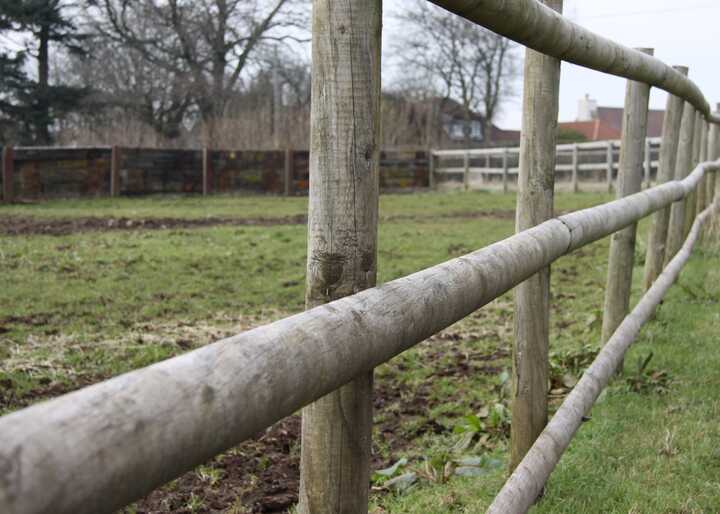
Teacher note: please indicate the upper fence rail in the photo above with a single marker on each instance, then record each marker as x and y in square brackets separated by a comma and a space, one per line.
[541, 28]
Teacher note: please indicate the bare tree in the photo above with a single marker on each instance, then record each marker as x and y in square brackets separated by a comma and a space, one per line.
[457, 59]
[210, 44]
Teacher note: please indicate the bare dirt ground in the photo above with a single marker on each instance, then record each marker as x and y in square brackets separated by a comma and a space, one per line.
[262, 474]
[30, 226]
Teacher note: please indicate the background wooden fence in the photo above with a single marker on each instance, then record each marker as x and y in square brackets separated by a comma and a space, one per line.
[47, 172]
[590, 166]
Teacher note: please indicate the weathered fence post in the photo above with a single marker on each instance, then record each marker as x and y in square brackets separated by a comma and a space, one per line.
[206, 171]
[8, 172]
[575, 168]
[682, 168]
[466, 171]
[536, 181]
[622, 243]
[342, 239]
[115, 171]
[713, 154]
[288, 172]
[505, 169]
[701, 201]
[691, 199]
[609, 164]
[648, 162]
[666, 171]
[431, 169]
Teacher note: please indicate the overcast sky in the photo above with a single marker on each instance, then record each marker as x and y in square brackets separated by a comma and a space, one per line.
[685, 32]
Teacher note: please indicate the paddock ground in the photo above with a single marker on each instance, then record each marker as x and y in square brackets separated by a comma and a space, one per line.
[94, 288]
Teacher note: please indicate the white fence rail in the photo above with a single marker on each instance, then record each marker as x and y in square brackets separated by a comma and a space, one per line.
[580, 165]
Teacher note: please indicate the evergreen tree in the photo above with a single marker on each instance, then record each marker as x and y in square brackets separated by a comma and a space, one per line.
[35, 105]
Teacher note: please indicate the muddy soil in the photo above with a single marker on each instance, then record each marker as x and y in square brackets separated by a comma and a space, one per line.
[262, 475]
[29, 226]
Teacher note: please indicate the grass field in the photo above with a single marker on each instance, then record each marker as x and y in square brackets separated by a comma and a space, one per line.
[91, 303]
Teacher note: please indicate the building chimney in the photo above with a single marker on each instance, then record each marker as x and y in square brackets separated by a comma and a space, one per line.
[587, 109]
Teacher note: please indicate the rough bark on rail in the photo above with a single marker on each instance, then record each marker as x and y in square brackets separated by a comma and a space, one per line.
[525, 484]
[536, 26]
[115, 441]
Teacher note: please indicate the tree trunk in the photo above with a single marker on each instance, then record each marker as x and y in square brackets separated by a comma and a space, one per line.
[342, 238]
[536, 181]
[42, 134]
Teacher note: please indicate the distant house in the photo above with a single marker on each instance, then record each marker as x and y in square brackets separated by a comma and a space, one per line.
[440, 123]
[598, 123]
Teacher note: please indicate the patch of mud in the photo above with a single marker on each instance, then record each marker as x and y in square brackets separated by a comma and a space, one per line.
[28, 225]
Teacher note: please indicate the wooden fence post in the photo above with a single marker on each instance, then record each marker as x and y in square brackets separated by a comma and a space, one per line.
[609, 164]
[701, 201]
[115, 171]
[713, 154]
[666, 171]
[342, 239]
[622, 243]
[536, 184]
[288, 171]
[431, 169]
[466, 171]
[648, 162]
[8, 171]
[206, 171]
[575, 168]
[505, 169]
[682, 168]
[691, 200]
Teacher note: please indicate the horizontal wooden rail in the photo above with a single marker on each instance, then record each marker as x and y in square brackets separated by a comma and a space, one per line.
[526, 483]
[498, 151]
[100, 448]
[536, 26]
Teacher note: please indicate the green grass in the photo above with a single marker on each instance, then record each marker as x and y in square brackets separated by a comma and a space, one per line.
[650, 452]
[226, 206]
[78, 308]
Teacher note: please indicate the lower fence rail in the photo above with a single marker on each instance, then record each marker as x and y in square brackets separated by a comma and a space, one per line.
[107, 445]
[527, 481]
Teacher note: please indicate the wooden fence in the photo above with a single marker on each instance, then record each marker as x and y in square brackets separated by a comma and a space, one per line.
[109, 444]
[52, 172]
[590, 166]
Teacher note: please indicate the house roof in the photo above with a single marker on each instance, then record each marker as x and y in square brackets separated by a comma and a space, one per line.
[594, 130]
[613, 117]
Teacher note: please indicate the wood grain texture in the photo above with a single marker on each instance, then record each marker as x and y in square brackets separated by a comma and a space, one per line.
[657, 237]
[526, 483]
[713, 154]
[630, 175]
[702, 188]
[342, 239]
[682, 165]
[536, 182]
[692, 199]
[539, 27]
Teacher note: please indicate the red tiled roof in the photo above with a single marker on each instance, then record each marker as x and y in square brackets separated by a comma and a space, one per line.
[613, 116]
[595, 130]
